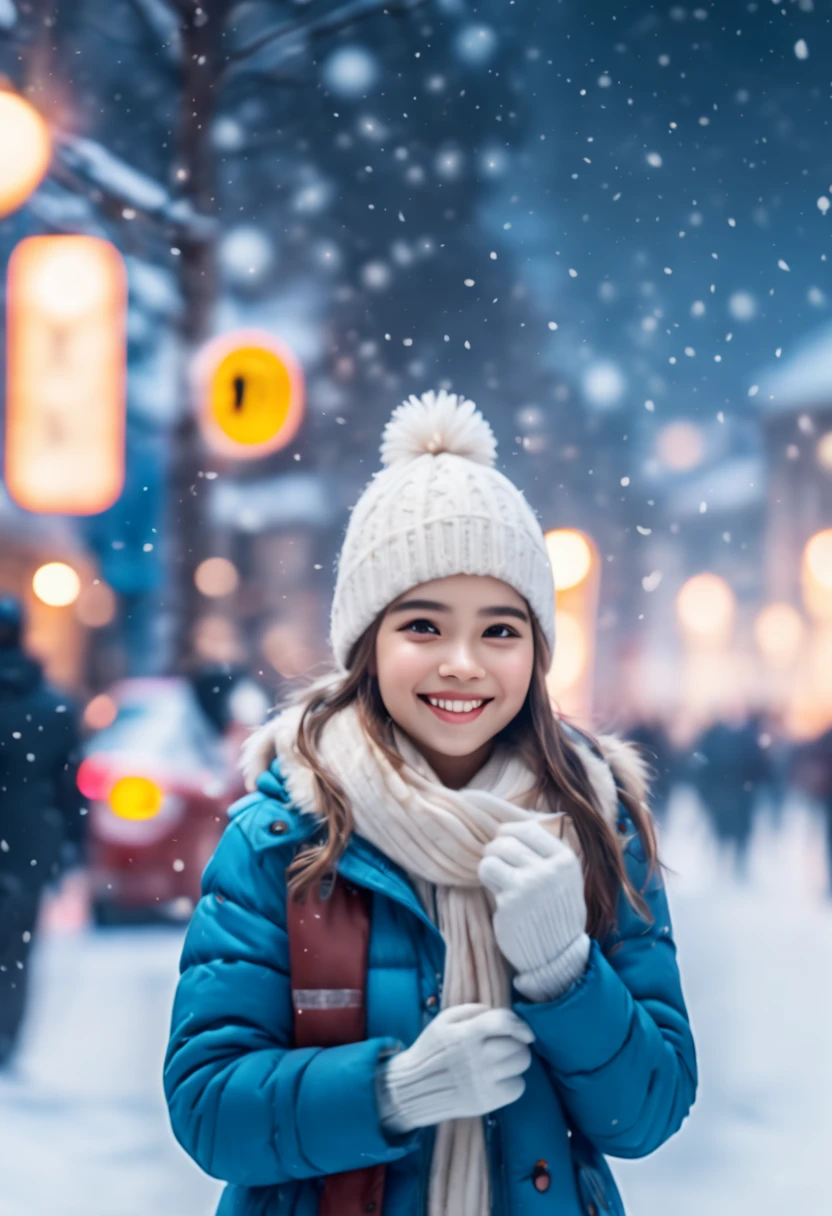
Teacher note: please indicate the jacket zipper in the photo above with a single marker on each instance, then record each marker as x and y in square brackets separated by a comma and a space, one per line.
[496, 1174]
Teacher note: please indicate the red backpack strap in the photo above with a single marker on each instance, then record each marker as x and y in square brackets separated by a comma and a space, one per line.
[329, 941]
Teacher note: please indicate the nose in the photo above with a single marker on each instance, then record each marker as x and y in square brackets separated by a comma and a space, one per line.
[461, 664]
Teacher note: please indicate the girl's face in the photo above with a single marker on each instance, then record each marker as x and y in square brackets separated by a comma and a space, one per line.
[454, 660]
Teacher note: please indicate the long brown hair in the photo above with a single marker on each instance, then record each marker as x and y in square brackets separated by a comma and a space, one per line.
[536, 733]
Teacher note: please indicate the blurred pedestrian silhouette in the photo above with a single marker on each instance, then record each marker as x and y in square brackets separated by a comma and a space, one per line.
[730, 770]
[657, 748]
[41, 825]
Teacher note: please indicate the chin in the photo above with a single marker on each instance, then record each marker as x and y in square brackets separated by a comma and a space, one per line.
[451, 747]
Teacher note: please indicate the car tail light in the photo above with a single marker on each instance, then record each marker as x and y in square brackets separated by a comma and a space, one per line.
[93, 779]
[136, 798]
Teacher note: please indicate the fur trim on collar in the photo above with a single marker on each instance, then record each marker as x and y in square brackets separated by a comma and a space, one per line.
[622, 764]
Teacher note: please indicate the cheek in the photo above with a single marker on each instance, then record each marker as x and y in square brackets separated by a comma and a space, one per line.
[515, 674]
[401, 666]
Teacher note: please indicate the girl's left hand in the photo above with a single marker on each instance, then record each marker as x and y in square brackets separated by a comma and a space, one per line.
[540, 920]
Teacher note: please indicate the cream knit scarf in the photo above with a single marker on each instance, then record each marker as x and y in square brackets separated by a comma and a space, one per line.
[437, 835]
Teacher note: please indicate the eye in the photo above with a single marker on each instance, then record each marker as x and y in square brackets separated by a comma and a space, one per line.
[418, 626]
[508, 632]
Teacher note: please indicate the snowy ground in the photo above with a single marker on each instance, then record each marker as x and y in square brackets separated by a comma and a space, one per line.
[82, 1121]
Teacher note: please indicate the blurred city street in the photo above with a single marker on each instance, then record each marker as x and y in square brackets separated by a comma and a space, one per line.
[588, 244]
[86, 1090]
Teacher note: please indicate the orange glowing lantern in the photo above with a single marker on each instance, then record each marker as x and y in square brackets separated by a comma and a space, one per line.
[65, 403]
[25, 151]
[250, 394]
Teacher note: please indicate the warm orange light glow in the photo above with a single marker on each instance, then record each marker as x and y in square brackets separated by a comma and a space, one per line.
[570, 555]
[680, 445]
[823, 451]
[216, 576]
[217, 640]
[136, 798]
[96, 606]
[817, 557]
[571, 653]
[705, 607]
[56, 584]
[25, 151]
[100, 712]
[778, 631]
[249, 389]
[286, 646]
[65, 408]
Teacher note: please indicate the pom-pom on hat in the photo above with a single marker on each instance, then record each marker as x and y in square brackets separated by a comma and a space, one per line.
[437, 508]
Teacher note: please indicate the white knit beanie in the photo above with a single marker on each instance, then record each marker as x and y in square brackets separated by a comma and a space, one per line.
[437, 508]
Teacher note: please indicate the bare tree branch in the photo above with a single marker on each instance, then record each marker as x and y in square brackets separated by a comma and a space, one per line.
[163, 23]
[87, 167]
[327, 23]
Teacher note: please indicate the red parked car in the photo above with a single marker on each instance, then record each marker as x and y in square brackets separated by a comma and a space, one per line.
[159, 780]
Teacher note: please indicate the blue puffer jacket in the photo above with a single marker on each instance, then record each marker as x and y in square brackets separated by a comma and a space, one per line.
[613, 1072]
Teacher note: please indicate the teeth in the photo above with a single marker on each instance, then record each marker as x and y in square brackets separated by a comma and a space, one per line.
[455, 707]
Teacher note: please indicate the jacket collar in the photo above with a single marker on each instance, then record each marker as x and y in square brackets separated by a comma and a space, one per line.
[361, 862]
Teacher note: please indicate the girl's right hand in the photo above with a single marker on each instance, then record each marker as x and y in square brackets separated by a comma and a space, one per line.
[468, 1061]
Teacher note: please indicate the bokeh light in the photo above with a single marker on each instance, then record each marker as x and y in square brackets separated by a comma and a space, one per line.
[476, 44]
[286, 647]
[216, 576]
[96, 605]
[823, 451]
[136, 798]
[570, 653]
[100, 712]
[818, 558]
[71, 278]
[350, 72]
[680, 446]
[216, 640]
[778, 632]
[25, 151]
[56, 584]
[603, 385]
[705, 608]
[571, 558]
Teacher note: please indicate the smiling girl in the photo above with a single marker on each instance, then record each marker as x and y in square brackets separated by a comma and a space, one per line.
[523, 1013]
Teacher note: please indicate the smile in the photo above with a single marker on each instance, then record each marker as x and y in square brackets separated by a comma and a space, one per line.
[455, 709]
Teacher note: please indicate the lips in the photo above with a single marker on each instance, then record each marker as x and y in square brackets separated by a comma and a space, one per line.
[452, 716]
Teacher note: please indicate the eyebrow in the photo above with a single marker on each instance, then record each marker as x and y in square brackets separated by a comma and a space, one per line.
[435, 606]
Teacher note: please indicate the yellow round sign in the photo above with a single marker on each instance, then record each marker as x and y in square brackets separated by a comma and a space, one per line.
[251, 388]
[136, 798]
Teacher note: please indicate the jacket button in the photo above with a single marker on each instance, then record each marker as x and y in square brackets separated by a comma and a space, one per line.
[541, 1178]
[592, 1210]
[278, 827]
[430, 1003]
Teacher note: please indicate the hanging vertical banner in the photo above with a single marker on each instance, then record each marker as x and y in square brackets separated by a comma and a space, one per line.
[66, 368]
[249, 394]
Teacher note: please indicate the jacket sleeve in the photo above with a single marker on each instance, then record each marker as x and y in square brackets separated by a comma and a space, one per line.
[618, 1043]
[247, 1106]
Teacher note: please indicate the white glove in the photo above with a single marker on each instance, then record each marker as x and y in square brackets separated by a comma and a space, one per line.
[468, 1061]
[540, 921]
